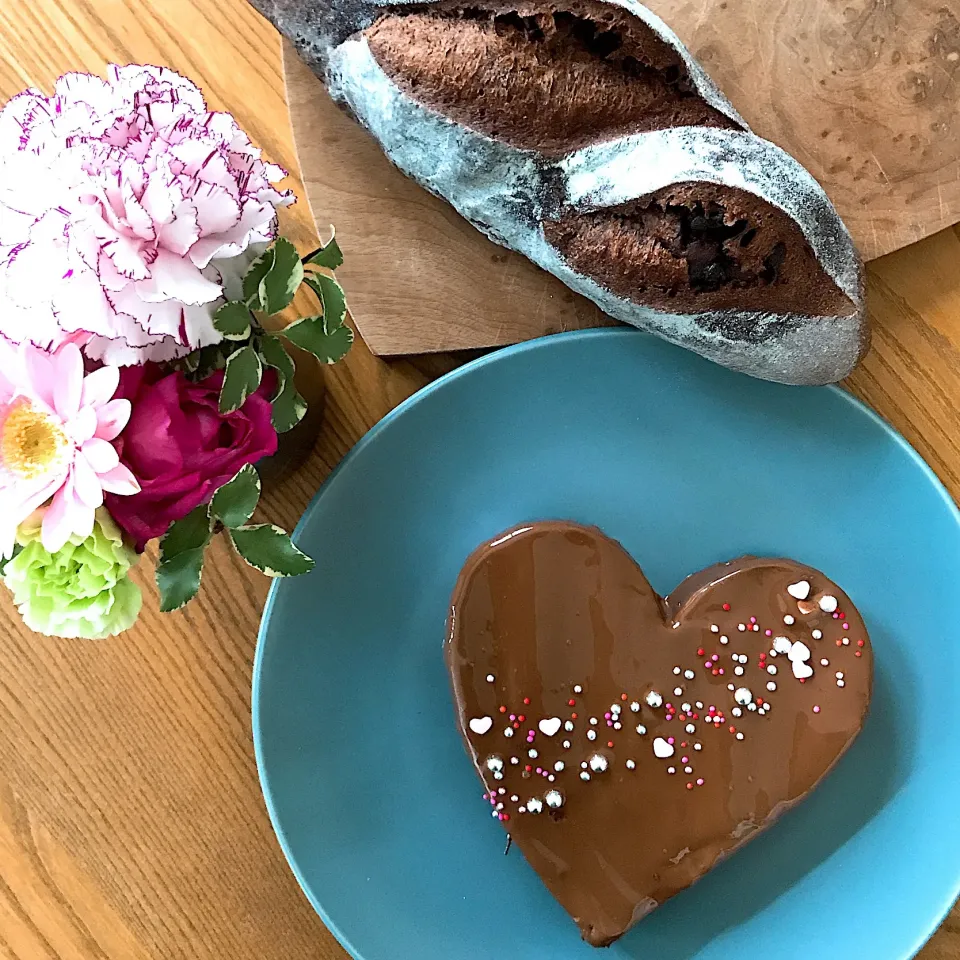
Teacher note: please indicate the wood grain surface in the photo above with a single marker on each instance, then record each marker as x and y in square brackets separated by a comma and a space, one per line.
[131, 822]
[865, 93]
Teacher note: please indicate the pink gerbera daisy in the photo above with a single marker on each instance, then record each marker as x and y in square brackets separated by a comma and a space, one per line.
[56, 424]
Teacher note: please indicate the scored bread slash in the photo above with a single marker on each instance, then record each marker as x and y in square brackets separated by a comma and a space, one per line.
[585, 136]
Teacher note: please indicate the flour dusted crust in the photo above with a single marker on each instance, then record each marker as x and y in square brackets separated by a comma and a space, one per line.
[583, 135]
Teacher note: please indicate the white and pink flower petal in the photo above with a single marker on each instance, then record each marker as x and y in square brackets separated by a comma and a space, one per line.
[101, 455]
[67, 369]
[112, 417]
[86, 483]
[120, 480]
[99, 386]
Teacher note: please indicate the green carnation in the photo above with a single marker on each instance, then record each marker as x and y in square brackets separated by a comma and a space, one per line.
[82, 590]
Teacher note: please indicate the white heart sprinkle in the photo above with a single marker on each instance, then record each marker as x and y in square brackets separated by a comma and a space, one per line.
[799, 590]
[481, 725]
[550, 727]
[828, 604]
[662, 749]
[799, 652]
[802, 670]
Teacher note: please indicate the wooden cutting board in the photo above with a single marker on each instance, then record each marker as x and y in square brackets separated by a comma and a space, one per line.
[865, 93]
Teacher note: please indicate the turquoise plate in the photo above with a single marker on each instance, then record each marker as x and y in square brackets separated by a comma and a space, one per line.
[372, 796]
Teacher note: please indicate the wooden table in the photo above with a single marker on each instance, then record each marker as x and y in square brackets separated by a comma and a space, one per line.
[131, 821]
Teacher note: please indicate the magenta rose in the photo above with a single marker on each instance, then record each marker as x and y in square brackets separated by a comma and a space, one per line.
[181, 448]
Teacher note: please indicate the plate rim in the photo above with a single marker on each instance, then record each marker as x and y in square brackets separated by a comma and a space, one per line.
[369, 437]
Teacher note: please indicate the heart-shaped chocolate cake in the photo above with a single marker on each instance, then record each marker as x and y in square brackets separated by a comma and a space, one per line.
[629, 743]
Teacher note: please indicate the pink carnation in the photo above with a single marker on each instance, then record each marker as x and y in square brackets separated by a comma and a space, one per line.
[128, 212]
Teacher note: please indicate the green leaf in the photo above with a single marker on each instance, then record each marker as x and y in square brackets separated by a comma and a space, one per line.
[209, 359]
[192, 532]
[327, 256]
[233, 320]
[270, 550]
[242, 378]
[331, 296]
[314, 335]
[271, 282]
[233, 504]
[288, 406]
[5, 560]
[255, 274]
[191, 361]
[178, 579]
[274, 354]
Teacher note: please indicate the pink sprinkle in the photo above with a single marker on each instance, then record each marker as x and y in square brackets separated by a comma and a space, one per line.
[768, 633]
[753, 619]
[670, 740]
[513, 717]
[699, 781]
[607, 715]
[669, 706]
[539, 769]
[712, 710]
[684, 759]
[836, 616]
[531, 733]
[721, 671]
[715, 657]
[816, 709]
[846, 626]
[669, 716]
[609, 723]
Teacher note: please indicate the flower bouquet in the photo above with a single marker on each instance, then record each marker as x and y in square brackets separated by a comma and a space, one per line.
[140, 378]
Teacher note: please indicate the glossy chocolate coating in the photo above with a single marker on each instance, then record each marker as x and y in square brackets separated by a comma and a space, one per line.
[549, 607]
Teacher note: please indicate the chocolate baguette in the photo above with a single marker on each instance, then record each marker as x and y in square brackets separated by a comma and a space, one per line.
[584, 135]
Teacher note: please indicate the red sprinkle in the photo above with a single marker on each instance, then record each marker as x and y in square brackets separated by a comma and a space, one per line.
[858, 654]
[571, 703]
[839, 643]
[526, 701]
[733, 729]
[700, 651]
[726, 607]
[623, 696]
[803, 680]
[689, 786]
[859, 643]
[503, 709]
[506, 817]
[610, 744]
[528, 768]
[716, 673]
[521, 718]
[516, 726]
[573, 716]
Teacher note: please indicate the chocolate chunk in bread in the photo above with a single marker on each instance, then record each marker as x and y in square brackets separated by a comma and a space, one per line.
[697, 247]
[540, 76]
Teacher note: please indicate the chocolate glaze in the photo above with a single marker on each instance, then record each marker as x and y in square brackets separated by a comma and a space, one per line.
[551, 606]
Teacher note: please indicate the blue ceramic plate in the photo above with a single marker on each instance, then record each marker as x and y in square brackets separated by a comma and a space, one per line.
[685, 463]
